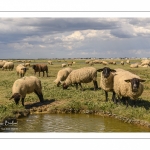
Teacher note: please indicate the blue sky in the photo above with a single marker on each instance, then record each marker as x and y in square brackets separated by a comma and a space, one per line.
[63, 37]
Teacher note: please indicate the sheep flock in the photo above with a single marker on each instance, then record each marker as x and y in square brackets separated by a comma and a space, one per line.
[111, 76]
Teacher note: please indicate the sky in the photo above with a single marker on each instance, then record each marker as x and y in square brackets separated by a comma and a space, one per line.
[74, 37]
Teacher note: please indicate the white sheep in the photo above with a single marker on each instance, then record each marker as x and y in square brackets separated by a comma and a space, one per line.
[127, 85]
[122, 62]
[2, 64]
[82, 75]
[106, 80]
[62, 75]
[8, 65]
[135, 65]
[63, 65]
[21, 70]
[24, 86]
[145, 62]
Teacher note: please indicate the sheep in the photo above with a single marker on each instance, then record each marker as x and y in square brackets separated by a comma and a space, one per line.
[128, 61]
[27, 64]
[70, 63]
[91, 63]
[8, 65]
[106, 81]
[63, 65]
[82, 75]
[62, 75]
[127, 85]
[50, 62]
[2, 64]
[21, 70]
[122, 62]
[104, 63]
[26, 85]
[145, 62]
[40, 68]
[135, 65]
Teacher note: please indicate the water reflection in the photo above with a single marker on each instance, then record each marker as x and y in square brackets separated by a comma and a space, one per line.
[74, 123]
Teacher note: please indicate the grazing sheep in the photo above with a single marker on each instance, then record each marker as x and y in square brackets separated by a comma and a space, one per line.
[145, 62]
[62, 75]
[122, 62]
[21, 70]
[82, 75]
[134, 65]
[127, 85]
[26, 85]
[2, 64]
[40, 68]
[27, 64]
[104, 63]
[87, 61]
[106, 81]
[50, 62]
[91, 63]
[63, 65]
[69, 63]
[8, 65]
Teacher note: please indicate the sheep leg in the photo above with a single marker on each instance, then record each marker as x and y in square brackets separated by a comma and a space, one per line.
[95, 85]
[47, 73]
[40, 96]
[22, 101]
[76, 85]
[114, 97]
[39, 73]
[81, 86]
[43, 73]
[106, 96]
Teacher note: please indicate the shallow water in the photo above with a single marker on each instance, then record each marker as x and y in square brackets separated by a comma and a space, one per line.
[74, 123]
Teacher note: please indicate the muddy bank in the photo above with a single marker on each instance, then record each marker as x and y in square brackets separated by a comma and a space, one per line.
[52, 106]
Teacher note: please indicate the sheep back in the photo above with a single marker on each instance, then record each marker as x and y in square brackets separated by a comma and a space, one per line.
[27, 85]
[82, 75]
[62, 75]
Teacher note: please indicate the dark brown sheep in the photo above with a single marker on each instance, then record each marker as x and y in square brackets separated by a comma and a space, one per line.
[40, 68]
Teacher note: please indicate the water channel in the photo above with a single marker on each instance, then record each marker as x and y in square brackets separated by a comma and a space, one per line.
[74, 123]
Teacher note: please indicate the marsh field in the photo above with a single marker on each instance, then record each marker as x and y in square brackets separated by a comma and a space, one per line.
[71, 100]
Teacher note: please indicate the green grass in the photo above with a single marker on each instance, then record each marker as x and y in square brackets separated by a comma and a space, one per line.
[72, 99]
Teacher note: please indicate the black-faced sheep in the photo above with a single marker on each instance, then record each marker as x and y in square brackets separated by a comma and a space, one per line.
[40, 68]
[21, 70]
[24, 86]
[82, 75]
[127, 85]
[106, 81]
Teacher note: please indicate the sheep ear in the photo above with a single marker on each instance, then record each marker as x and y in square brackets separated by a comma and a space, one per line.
[141, 80]
[112, 70]
[128, 80]
[11, 97]
[99, 70]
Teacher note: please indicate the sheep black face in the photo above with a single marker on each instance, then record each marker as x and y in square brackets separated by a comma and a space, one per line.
[16, 97]
[135, 82]
[64, 86]
[106, 71]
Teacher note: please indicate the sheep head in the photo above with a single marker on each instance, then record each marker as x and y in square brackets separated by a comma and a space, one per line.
[16, 97]
[106, 71]
[135, 82]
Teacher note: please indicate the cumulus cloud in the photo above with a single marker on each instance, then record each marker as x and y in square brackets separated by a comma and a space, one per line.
[74, 37]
